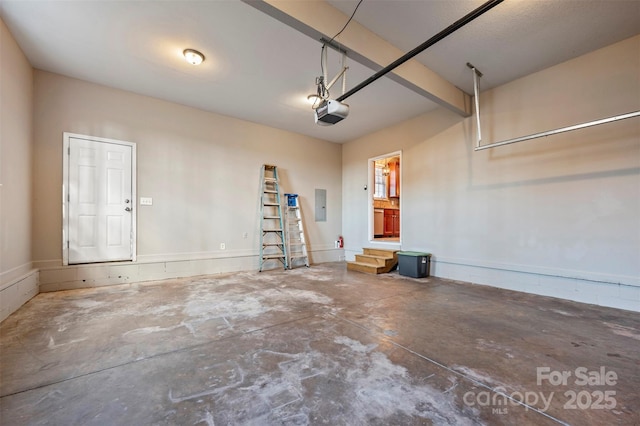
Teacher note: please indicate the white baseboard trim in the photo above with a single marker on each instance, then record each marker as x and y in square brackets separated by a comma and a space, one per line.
[541, 270]
[181, 257]
[19, 291]
[590, 290]
[9, 277]
[158, 267]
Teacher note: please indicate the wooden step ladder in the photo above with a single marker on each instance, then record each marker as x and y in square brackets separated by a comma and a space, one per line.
[296, 244]
[273, 245]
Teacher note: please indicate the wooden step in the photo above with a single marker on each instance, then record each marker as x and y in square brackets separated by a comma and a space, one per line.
[374, 261]
[364, 267]
[371, 260]
[380, 252]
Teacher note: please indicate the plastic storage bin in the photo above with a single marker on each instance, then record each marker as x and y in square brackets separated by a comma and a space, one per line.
[414, 264]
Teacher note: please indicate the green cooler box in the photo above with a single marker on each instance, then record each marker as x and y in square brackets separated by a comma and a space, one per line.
[413, 264]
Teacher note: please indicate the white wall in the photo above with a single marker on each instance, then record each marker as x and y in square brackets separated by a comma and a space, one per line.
[18, 279]
[558, 216]
[202, 171]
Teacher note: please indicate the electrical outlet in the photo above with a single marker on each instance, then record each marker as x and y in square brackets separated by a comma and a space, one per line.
[222, 246]
[245, 235]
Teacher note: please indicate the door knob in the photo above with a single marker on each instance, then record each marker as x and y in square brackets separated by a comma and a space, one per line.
[126, 201]
[127, 209]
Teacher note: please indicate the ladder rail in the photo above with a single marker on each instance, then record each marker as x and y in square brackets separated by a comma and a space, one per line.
[297, 247]
[270, 212]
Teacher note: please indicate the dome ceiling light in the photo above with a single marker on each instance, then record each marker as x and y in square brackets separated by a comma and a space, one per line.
[193, 56]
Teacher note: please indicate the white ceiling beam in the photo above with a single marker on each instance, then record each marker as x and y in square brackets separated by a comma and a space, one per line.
[320, 20]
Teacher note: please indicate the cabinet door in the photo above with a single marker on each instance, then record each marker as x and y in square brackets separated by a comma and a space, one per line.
[394, 179]
[388, 223]
[396, 224]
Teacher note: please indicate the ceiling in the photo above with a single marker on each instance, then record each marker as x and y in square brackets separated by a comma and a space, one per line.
[261, 70]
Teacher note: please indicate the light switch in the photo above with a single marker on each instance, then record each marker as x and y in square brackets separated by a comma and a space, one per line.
[146, 201]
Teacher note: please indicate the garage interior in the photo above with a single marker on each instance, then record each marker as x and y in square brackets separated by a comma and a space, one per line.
[524, 189]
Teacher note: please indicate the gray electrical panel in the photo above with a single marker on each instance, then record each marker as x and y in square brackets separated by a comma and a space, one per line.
[321, 205]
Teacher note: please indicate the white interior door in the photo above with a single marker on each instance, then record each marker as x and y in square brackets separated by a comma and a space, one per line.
[100, 201]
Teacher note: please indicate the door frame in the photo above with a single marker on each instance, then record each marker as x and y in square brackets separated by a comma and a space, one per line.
[370, 192]
[65, 191]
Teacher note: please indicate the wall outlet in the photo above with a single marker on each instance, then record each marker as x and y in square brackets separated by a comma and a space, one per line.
[245, 235]
[146, 201]
[222, 246]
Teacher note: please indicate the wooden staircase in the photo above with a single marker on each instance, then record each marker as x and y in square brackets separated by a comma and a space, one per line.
[374, 261]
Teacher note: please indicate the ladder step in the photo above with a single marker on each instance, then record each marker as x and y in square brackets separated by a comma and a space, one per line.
[270, 204]
[271, 217]
[273, 256]
[272, 230]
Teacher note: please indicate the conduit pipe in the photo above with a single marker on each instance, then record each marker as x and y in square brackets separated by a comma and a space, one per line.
[424, 46]
[476, 93]
[476, 97]
[560, 130]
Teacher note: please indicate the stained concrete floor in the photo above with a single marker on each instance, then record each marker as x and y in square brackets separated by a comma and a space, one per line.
[316, 346]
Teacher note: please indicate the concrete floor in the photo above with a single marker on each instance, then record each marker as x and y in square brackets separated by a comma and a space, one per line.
[316, 346]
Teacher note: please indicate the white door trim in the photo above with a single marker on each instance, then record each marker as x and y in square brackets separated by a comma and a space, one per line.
[370, 192]
[65, 190]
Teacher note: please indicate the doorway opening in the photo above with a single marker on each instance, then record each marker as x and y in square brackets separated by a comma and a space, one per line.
[384, 198]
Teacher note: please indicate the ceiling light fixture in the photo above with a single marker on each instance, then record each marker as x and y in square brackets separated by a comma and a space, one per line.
[314, 100]
[193, 56]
